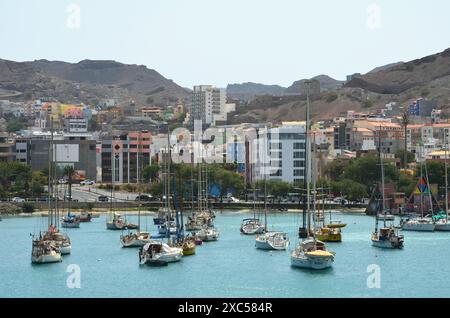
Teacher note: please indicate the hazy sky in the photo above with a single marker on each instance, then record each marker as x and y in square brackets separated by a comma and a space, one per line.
[227, 41]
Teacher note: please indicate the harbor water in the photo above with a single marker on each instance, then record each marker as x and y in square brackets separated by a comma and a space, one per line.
[230, 267]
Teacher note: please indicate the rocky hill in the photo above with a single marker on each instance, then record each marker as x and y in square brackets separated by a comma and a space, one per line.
[326, 83]
[428, 77]
[88, 81]
[247, 91]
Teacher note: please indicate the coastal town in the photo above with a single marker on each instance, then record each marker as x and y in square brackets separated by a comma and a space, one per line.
[242, 151]
[98, 140]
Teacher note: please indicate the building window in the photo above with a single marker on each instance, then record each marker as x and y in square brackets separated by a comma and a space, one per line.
[299, 155]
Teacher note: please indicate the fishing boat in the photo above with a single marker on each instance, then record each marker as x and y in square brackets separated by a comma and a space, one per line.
[157, 253]
[44, 251]
[310, 253]
[387, 236]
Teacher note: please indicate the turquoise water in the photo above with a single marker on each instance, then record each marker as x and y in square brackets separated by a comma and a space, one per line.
[230, 267]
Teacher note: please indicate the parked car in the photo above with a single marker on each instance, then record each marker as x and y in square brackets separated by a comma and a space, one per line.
[103, 198]
[63, 181]
[232, 200]
[144, 197]
[18, 199]
[87, 182]
[70, 198]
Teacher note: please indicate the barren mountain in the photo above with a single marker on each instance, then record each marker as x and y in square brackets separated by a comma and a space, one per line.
[326, 83]
[428, 77]
[247, 91]
[88, 81]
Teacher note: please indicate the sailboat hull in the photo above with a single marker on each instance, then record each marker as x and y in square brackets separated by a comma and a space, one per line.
[312, 263]
[419, 227]
[47, 258]
[385, 244]
[442, 226]
[65, 250]
[70, 225]
[334, 238]
[114, 226]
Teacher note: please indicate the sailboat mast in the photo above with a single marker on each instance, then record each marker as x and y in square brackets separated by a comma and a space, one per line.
[265, 199]
[314, 180]
[308, 162]
[446, 179]
[138, 182]
[50, 179]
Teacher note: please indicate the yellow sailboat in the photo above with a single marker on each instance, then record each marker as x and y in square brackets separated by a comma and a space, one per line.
[330, 232]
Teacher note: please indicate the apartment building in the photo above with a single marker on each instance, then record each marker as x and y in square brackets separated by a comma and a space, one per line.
[124, 156]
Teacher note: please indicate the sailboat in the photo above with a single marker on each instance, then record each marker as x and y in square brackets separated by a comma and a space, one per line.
[422, 223]
[44, 248]
[387, 236]
[443, 222]
[270, 240]
[70, 220]
[158, 253]
[310, 253]
[138, 238]
[252, 226]
[202, 222]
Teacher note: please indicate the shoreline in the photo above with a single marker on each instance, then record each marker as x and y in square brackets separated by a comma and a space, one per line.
[133, 212]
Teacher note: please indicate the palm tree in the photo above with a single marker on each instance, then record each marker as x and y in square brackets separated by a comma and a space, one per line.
[405, 122]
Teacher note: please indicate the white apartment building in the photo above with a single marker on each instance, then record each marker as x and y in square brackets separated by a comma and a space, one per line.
[285, 147]
[206, 103]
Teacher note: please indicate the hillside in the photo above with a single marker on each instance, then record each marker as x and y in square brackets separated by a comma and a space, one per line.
[88, 81]
[247, 91]
[428, 77]
[326, 83]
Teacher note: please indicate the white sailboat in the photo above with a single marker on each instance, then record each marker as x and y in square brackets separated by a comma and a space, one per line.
[270, 240]
[423, 223]
[252, 226]
[310, 253]
[387, 236]
[444, 223]
[138, 238]
[44, 248]
[157, 253]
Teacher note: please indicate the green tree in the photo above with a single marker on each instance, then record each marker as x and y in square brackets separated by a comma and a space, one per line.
[336, 168]
[400, 154]
[150, 172]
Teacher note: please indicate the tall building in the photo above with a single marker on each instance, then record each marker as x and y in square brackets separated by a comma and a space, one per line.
[207, 102]
[124, 157]
[284, 146]
[70, 149]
